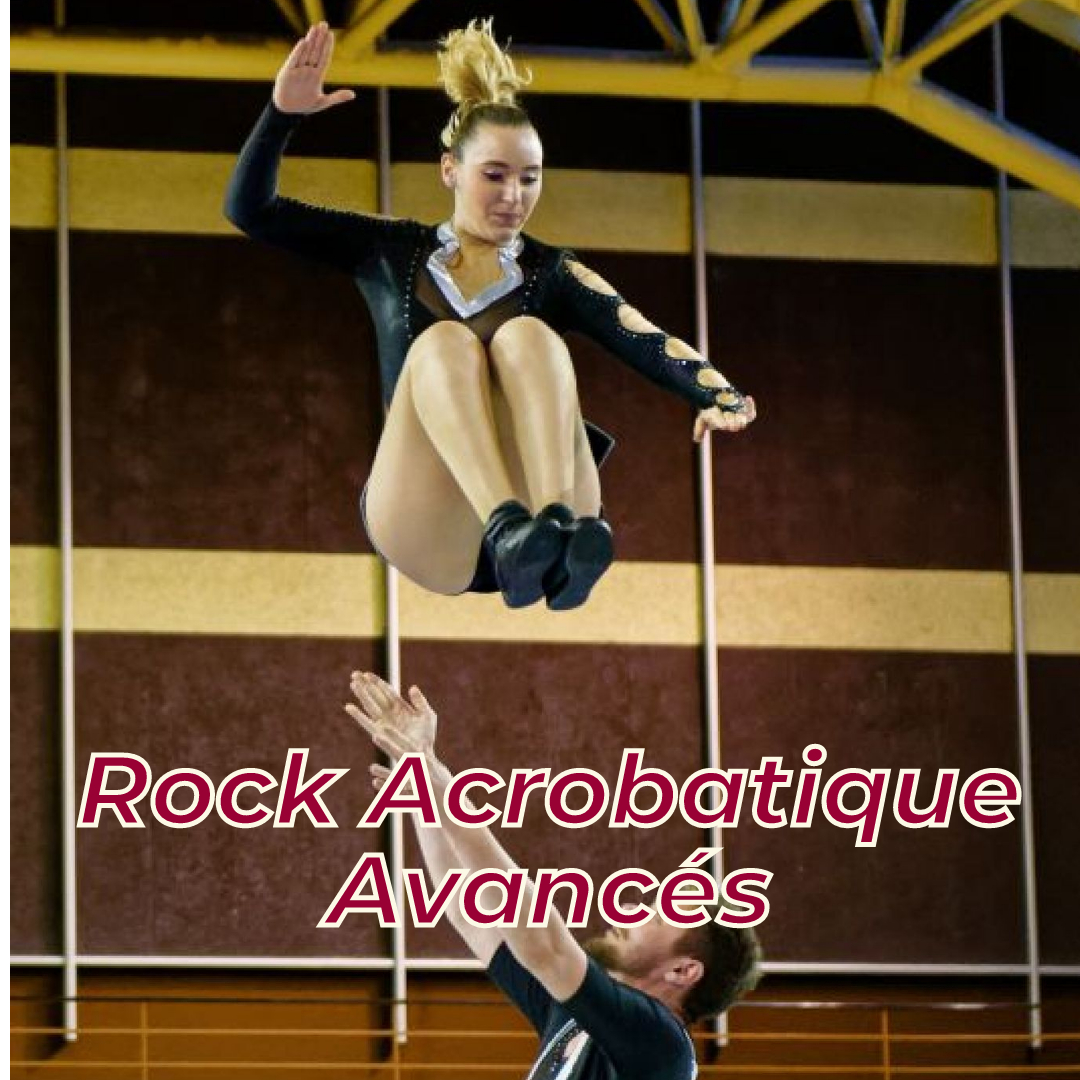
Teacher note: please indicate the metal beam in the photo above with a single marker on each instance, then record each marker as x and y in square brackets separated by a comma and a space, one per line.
[372, 22]
[690, 16]
[766, 81]
[894, 29]
[983, 135]
[314, 11]
[770, 81]
[735, 17]
[662, 23]
[1052, 20]
[868, 29]
[741, 48]
[963, 21]
[292, 15]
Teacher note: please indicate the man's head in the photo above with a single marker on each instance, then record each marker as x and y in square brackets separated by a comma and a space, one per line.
[698, 972]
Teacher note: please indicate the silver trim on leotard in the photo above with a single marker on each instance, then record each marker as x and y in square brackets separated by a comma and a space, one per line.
[438, 266]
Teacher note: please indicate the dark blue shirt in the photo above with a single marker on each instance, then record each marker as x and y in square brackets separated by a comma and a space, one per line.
[605, 1031]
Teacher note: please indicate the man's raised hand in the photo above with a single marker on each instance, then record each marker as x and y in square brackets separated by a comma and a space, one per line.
[298, 87]
[405, 725]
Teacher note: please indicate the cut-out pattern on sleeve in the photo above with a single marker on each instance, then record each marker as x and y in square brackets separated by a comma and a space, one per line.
[593, 307]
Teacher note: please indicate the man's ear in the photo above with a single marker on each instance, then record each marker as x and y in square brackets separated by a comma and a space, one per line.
[448, 169]
[685, 972]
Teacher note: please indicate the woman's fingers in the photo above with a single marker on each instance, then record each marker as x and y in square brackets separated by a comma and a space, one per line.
[297, 53]
[325, 44]
[338, 97]
[306, 47]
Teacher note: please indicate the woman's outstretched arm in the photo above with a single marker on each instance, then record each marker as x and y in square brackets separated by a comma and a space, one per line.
[338, 238]
[589, 305]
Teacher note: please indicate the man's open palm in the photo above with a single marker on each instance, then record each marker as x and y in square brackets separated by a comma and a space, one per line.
[410, 724]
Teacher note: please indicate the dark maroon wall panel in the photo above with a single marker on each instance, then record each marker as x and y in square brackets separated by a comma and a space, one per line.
[35, 793]
[649, 481]
[218, 704]
[1047, 305]
[1055, 691]
[949, 895]
[880, 438]
[34, 467]
[226, 397]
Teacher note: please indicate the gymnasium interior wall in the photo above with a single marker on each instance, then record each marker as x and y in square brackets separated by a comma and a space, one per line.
[225, 413]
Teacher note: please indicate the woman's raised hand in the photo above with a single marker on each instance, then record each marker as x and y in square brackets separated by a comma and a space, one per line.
[298, 87]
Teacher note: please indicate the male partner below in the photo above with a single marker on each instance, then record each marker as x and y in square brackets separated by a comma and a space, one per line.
[615, 1009]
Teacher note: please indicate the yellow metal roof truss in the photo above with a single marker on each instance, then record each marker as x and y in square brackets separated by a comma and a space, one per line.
[729, 66]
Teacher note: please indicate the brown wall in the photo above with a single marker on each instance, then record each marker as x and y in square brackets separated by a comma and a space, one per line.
[225, 399]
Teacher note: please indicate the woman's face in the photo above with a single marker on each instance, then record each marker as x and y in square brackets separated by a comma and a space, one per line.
[496, 183]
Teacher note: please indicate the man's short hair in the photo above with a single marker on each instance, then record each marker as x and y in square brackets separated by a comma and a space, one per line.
[730, 956]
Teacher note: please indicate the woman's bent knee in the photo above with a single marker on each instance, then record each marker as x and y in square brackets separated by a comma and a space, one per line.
[446, 334]
[524, 346]
[528, 331]
[447, 350]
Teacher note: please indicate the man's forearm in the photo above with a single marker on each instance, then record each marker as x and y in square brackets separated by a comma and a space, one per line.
[550, 952]
[440, 856]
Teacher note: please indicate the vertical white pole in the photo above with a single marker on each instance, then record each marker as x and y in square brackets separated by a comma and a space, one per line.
[705, 499]
[1023, 711]
[393, 640]
[67, 580]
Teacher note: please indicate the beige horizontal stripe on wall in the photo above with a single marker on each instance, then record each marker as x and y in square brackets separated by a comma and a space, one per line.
[167, 192]
[638, 603]
[153, 591]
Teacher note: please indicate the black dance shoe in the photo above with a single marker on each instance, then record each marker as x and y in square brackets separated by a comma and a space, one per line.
[522, 549]
[588, 550]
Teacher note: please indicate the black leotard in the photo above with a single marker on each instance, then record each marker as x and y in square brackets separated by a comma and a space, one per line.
[387, 258]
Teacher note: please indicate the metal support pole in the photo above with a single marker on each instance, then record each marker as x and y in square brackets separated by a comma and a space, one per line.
[705, 501]
[393, 643]
[67, 582]
[1016, 567]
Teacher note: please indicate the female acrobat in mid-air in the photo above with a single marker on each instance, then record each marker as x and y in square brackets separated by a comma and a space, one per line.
[485, 477]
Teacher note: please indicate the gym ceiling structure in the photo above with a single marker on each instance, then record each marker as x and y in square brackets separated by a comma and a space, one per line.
[867, 212]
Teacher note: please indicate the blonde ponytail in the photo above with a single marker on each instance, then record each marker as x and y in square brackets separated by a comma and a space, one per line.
[480, 79]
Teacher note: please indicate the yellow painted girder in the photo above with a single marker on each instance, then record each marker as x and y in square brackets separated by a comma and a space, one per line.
[741, 48]
[894, 28]
[690, 16]
[747, 12]
[662, 24]
[1051, 19]
[808, 84]
[314, 11]
[292, 15]
[977, 15]
[44, 51]
[371, 22]
[983, 136]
